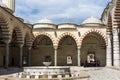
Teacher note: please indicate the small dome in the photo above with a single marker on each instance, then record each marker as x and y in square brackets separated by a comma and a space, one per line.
[45, 20]
[3, 5]
[92, 20]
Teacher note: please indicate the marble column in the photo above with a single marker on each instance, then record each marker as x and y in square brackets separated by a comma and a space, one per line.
[29, 56]
[55, 56]
[78, 50]
[109, 51]
[116, 54]
[6, 55]
[21, 54]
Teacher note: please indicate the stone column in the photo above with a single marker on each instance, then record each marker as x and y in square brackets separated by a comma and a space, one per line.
[21, 54]
[78, 49]
[116, 55]
[55, 56]
[29, 56]
[109, 51]
[6, 55]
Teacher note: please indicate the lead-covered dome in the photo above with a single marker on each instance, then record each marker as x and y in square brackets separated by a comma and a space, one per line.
[44, 24]
[92, 20]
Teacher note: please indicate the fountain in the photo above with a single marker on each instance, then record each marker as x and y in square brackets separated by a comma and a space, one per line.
[47, 70]
[46, 63]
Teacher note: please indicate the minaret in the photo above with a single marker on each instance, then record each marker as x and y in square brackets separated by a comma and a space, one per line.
[10, 4]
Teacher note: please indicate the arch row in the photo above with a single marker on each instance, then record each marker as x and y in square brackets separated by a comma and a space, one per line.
[77, 39]
[7, 28]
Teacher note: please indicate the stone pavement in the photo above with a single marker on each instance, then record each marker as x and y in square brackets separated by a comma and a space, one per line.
[96, 73]
[102, 73]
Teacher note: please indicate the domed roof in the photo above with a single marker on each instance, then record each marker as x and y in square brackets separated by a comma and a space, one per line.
[3, 5]
[47, 24]
[92, 20]
[45, 20]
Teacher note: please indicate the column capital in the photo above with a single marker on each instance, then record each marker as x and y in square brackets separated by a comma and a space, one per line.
[29, 47]
[6, 41]
[116, 30]
[78, 47]
[20, 45]
[55, 47]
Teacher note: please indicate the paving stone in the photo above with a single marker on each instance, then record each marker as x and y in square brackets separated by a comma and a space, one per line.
[102, 74]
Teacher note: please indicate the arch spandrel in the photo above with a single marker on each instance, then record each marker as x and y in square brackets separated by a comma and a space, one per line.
[19, 35]
[27, 39]
[67, 34]
[93, 31]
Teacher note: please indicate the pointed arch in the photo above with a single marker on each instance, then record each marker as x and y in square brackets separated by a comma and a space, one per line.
[18, 35]
[67, 34]
[93, 31]
[27, 39]
[46, 34]
[4, 29]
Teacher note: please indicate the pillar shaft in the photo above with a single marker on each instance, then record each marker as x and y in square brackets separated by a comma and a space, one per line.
[29, 56]
[6, 55]
[55, 56]
[21, 55]
[79, 56]
[116, 56]
[109, 52]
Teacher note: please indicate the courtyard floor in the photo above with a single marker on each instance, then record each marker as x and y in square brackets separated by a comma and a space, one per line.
[102, 73]
[95, 73]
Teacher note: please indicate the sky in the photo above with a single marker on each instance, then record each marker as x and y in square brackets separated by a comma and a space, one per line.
[60, 11]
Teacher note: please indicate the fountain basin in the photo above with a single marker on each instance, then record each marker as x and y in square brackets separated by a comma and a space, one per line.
[46, 63]
[51, 70]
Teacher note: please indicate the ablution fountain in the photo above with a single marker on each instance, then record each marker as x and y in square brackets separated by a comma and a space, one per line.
[48, 72]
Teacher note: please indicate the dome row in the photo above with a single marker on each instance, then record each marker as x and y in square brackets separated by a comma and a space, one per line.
[48, 24]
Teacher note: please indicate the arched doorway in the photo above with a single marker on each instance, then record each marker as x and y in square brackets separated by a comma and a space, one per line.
[43, 50]
[67, 52]
[27, 50]
[93, 43]
[16, 48]
[14, 58]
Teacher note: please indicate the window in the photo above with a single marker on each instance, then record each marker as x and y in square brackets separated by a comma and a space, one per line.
[48, 42]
